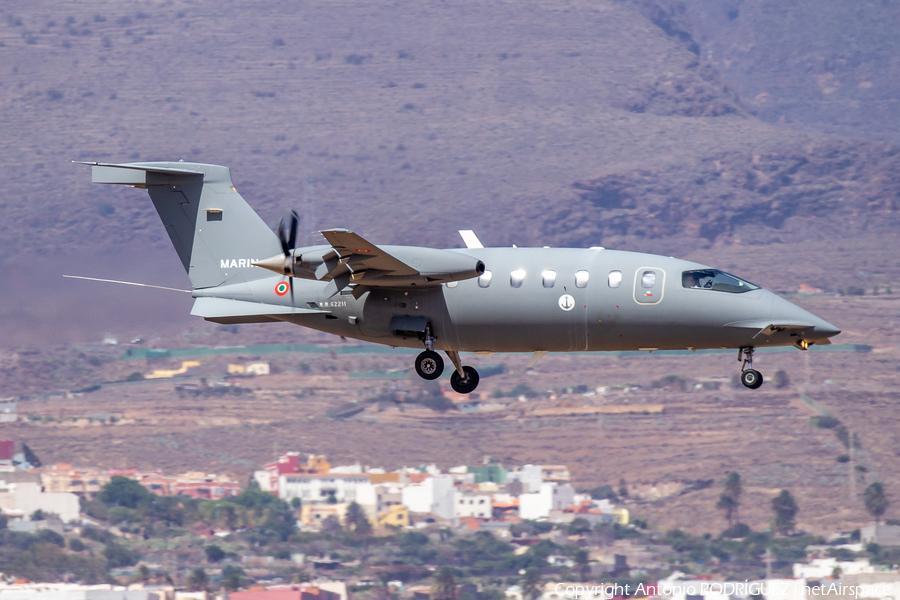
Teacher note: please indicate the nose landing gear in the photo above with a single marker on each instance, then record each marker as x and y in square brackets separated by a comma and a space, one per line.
[750, 377]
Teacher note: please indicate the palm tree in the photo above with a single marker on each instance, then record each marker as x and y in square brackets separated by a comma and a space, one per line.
[734, 490]
[727, 504]
[444, 586]
[875, 500]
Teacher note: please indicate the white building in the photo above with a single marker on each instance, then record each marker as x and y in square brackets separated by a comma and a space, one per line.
[819, 568]
[551, 496]
[74, 591]
[8, 412]
[531, 477]
[261, 368]
[321, 487]
[883, 535]
[461, 474]
[472, 504]
[433, 495]
[21, 495]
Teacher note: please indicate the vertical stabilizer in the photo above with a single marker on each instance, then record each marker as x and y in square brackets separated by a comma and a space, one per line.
[215, 232]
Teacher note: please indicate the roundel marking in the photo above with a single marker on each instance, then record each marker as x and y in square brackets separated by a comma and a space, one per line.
[566, 302]
[282, 288]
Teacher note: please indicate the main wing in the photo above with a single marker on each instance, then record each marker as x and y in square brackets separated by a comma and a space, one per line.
[353, 260]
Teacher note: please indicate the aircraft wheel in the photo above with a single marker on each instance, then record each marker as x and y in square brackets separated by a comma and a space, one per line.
[467, 385]
[429, 365]
[751, 378]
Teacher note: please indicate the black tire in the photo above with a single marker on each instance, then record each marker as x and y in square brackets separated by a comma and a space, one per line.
[466, 386]
[429, 365]
[751, 378]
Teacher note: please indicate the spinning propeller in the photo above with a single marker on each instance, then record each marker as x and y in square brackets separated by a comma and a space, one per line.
[288, 238]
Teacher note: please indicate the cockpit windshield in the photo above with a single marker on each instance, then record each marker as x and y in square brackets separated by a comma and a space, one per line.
[713, 279]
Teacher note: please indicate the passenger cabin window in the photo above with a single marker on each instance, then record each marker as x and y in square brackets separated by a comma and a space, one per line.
[548, 278]
[718, 281]
[484, 280]
[615, 279]
[516, 278]
[648, 279]
[581, 279]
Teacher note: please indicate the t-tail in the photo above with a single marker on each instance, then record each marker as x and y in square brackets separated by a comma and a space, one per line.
[216, 233]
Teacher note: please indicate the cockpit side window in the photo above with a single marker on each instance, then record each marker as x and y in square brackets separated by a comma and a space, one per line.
[713, 279]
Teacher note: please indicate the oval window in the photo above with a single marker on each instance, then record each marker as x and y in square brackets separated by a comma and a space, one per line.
[485, 279]
[548, 278]
[516, 278]
[615, 279]
[581, 279]
[648, 279]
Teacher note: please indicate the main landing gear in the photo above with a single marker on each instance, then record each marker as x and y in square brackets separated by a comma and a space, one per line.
[750, 377]
[430, 366]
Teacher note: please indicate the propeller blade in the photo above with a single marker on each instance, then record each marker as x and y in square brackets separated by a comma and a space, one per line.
[292, 240]
[282, 238]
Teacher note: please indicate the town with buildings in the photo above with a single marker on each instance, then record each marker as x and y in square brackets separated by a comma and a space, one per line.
[307, 530]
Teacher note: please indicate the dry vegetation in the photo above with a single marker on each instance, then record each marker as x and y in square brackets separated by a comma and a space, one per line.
[700, 435]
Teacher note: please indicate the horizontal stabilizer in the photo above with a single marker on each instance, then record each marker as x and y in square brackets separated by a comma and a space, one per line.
[140, 174]
[225, 310]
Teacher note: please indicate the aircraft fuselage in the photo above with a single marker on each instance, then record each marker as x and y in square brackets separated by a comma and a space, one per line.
[562, 315]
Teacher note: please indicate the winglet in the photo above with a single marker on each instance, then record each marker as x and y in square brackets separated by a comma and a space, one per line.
[471, 240]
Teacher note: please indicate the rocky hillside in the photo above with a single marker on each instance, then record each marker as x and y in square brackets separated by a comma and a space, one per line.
[568, 123]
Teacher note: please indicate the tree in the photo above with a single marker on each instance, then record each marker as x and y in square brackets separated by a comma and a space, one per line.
[531, 584]
[214, 554]
[232, 577]
[579, 526]
[785, 512]
[118, 555]
[727, 504]
[30, 457]
[198, 580]
[122, 491]
[330, 524]
[875, 500]
[623, 488]
[730, 500]
[357, 520]
[583, 562]
[444, 586]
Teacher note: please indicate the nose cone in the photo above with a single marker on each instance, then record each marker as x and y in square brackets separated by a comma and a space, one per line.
[787, 314]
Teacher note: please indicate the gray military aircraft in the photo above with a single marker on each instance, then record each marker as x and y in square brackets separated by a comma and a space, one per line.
[471, 299]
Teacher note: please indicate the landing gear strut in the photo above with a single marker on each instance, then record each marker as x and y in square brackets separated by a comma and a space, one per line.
[750, 377]
[429, 364]
[464, 379]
